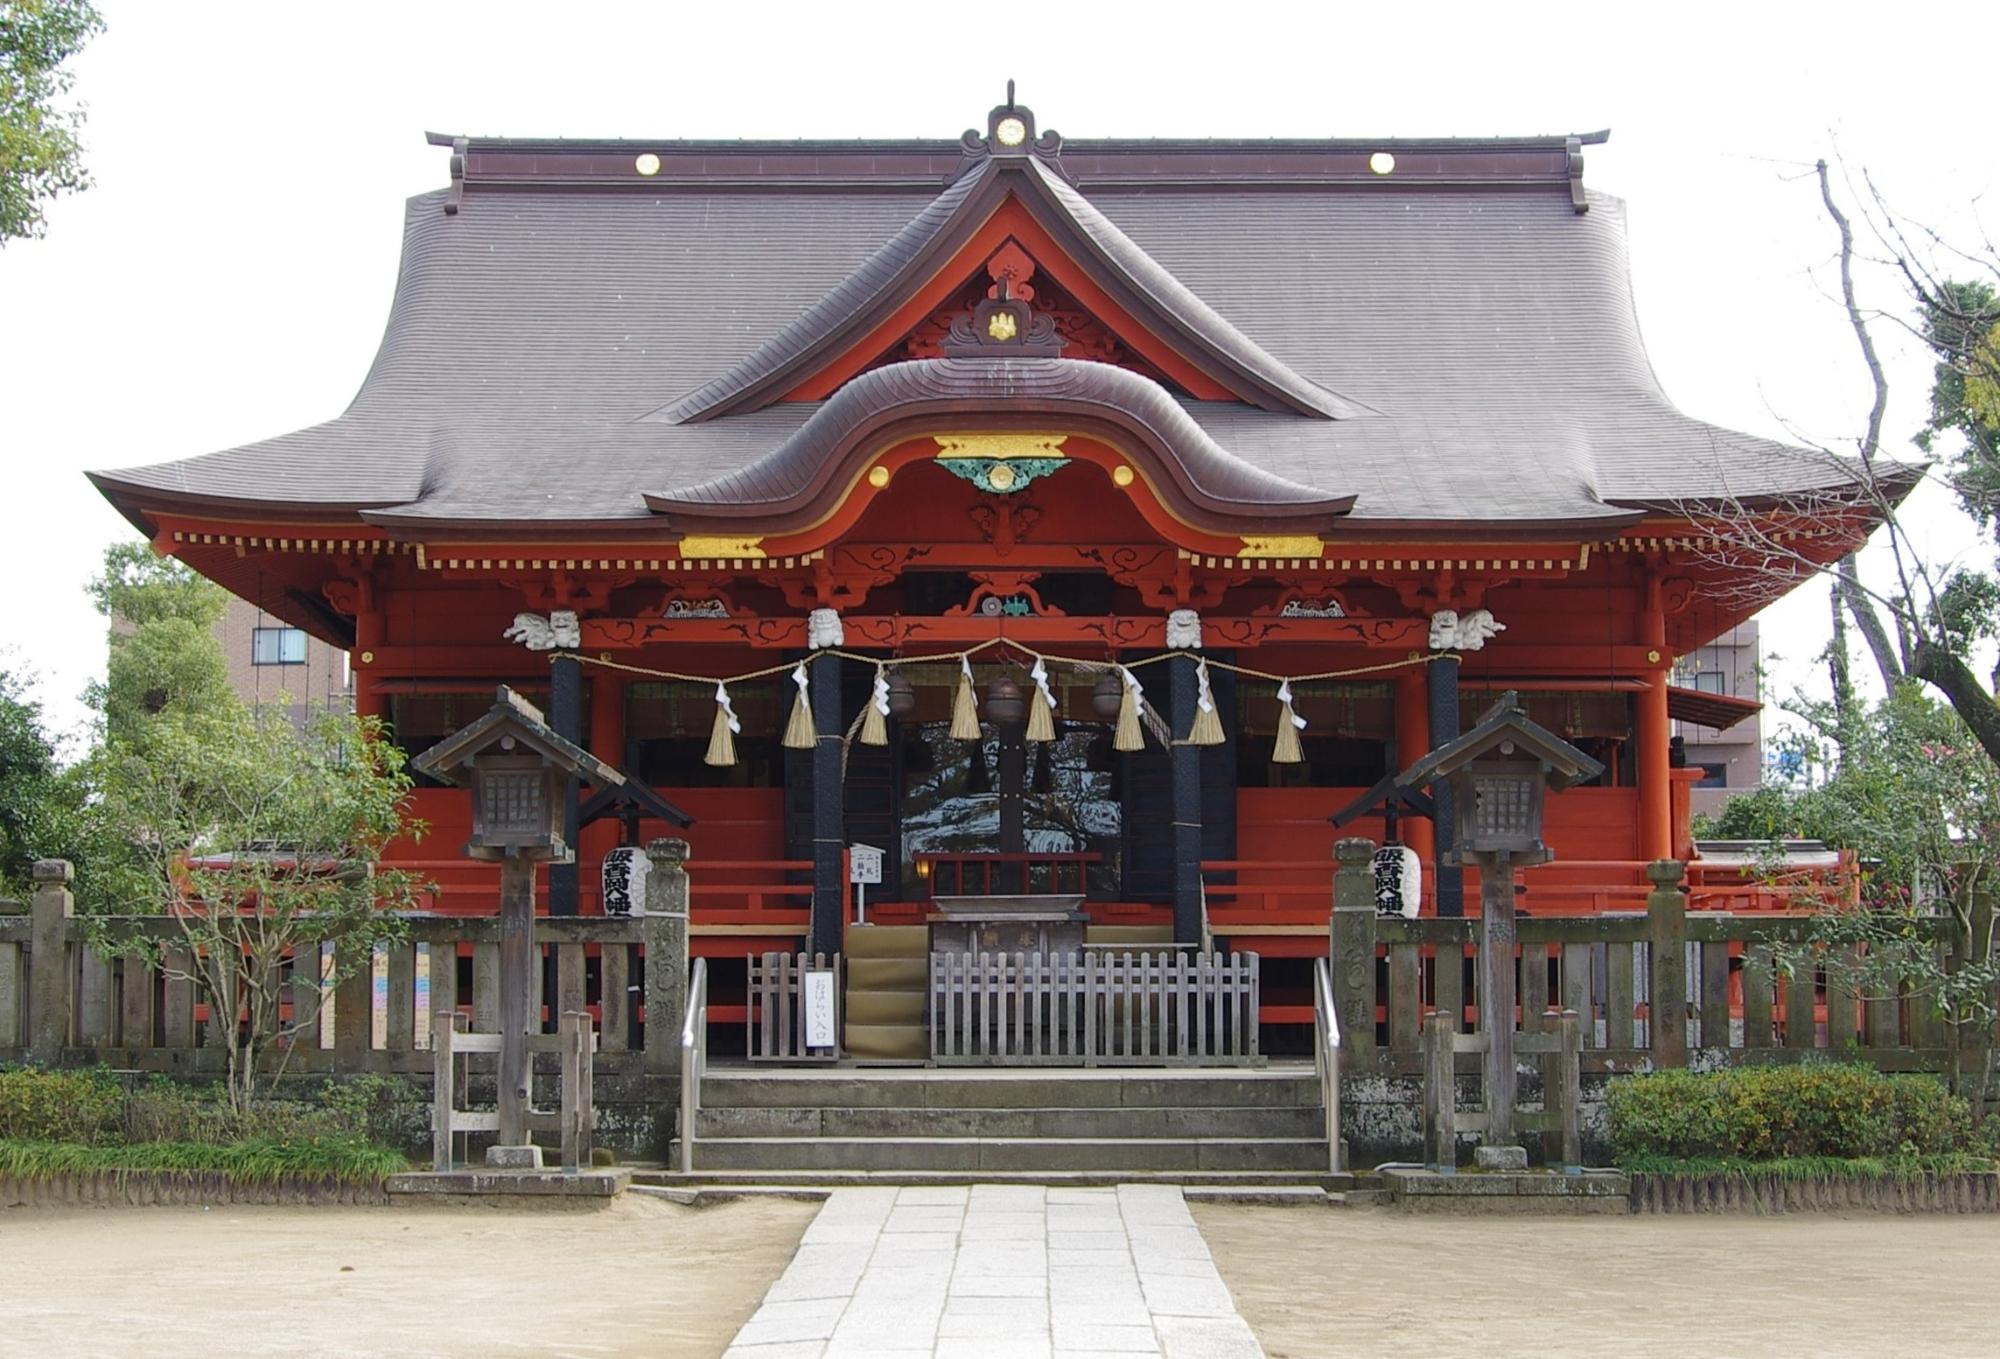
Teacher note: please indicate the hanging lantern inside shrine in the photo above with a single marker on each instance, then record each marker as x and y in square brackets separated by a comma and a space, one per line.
[902, 695]
[1106, 695]
[1005, 707]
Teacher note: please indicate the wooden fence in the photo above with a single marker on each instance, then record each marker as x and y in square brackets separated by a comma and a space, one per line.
[1094, 1008]
[62, 1001]
[777, 1021]
[1648, 988]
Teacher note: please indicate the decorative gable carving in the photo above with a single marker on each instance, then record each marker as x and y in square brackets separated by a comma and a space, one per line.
[1046, 321]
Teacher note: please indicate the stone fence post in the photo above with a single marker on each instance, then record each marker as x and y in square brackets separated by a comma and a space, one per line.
[1351, 943]
[51, 968]
[666, 934]
[1666, 935]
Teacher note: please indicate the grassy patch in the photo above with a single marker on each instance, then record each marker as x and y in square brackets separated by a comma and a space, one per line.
[1814, 1169]
[255, 1161]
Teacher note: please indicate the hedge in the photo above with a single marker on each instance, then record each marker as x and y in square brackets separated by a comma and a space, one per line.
[1770, 1113]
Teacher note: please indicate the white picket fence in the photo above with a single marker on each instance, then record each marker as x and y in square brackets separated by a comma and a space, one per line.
[1160, 1008]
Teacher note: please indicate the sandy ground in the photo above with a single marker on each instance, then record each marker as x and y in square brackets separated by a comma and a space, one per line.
[639, 1277]
[1315, 1283]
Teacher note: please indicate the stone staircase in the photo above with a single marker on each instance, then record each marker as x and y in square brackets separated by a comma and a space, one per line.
[1063, 1126]
[888, 976]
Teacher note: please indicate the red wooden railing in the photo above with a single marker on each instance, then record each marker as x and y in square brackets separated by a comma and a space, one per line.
[975, 874]
[1300, 891]
[721, 891]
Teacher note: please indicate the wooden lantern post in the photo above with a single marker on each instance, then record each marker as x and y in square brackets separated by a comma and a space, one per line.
[1499, 774]
[519, 771]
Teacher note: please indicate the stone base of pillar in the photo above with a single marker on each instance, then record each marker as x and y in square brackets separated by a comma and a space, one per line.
[514, 1158]
[1500, 1158]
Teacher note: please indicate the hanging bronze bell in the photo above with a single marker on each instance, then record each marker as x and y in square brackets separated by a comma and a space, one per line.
[1004, 705]
[1106, 694]
[902, 695]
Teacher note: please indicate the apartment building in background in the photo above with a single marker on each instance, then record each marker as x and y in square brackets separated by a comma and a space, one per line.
[1731, 759]
[272, 662]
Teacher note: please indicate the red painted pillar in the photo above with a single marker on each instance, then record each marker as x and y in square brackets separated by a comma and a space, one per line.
[370, 632]
[1656, 826]
[1413, 742]
[607, 743]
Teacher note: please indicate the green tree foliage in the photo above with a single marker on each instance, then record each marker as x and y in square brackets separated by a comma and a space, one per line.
[1902, 783]
[255, 837]
[1961, 322]
[40, 155]
[251, 835]
[1907, 787]
[165, 659]
[42, 804]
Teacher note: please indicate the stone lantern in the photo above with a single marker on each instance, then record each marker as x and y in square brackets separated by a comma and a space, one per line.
[1500, 773]
[519, 771]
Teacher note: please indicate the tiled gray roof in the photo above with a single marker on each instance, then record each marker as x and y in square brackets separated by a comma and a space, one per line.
[1486, 341]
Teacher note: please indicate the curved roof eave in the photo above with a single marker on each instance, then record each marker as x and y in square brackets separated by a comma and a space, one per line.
[791, 482]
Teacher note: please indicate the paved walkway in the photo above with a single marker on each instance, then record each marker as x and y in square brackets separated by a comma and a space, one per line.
[1000, 1272]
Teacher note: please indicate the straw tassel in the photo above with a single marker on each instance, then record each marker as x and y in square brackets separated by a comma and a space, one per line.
[1206, 729]
[875, 721]
[1128, 734]
[1290, 724]
[800, 734]
[1042, 706]
[722, 737]
[964, 707]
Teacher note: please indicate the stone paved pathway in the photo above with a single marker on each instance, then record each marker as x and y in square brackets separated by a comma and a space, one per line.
[1000, 1272]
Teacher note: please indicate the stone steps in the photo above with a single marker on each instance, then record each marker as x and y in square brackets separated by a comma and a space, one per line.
[1011, 1088]
[1180, 1126]
[1129, 1123]
[1292, 1154]
[888, 975]
[1342, 1186]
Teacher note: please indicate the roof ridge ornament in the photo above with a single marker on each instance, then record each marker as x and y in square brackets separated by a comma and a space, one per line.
[1010, 135]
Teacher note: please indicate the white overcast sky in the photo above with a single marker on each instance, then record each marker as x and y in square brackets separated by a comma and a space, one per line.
[229, 275]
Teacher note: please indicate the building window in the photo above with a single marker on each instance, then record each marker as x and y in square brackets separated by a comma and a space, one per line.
[277, 646]
[1710, 682]
[1714, 774]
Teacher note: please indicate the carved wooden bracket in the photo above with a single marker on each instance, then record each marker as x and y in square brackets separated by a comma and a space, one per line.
[843, 576]
[1003, 522]
[998, 585]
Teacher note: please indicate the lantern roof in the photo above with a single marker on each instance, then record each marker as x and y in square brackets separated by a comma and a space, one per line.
[630, 800]
[512, 723]
[1505, 730]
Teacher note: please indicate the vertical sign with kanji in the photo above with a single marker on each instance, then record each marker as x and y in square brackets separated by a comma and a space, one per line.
[625, 872]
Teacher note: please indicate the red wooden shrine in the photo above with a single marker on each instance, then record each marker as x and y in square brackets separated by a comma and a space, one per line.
[1346, 402]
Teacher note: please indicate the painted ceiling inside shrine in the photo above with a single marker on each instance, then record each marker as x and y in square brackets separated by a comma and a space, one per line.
[1434, 335]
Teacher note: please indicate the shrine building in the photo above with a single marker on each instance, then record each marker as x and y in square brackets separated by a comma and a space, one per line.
[1088, 520]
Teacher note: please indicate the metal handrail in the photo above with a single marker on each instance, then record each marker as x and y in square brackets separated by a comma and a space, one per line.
[1326, 1056]
[694, 1058]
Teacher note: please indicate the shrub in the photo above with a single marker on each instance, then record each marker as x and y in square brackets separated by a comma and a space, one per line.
[163, 1110]
[1765, 1113]
[1670, 1113]
[1924, 1114]
[257, 1161]
[60, 1106]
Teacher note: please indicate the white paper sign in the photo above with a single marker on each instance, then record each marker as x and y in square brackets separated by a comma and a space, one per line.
[864, 864]
[817, 996]
[625, 871]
